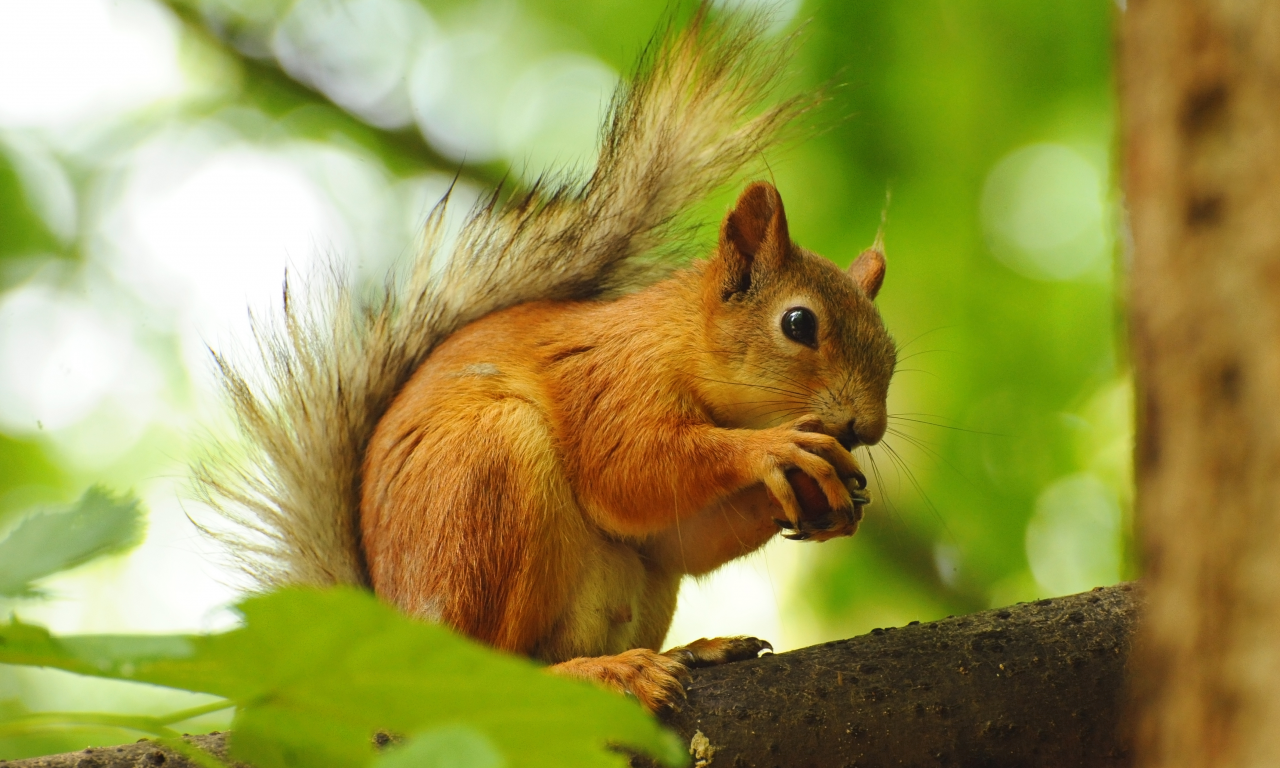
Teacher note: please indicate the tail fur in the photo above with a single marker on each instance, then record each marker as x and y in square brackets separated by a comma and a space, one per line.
[289, 480]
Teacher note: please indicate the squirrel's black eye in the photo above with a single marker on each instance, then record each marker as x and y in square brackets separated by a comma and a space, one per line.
[800, 325]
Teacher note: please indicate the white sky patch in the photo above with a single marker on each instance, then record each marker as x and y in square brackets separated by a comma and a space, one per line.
[58, 360]
[73, 376]
[63, 61]
[461, 81]
[369, 234]
[204, 233]
[457, 87]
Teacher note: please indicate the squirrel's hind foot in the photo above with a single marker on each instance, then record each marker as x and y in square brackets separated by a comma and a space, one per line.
[719, 650]
[657, 680]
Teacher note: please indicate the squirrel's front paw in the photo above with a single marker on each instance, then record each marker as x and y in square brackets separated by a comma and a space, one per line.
[820, 522]
[656, 680]
[798, 457]
[713, 652]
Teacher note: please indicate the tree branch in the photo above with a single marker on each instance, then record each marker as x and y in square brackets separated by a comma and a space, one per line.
[1035, 684]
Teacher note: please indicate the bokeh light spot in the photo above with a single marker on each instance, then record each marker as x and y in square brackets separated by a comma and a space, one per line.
[58, 360]
[1073, 538]
[553, 115]
[1042, 210]
[206, 243]
[357, 53]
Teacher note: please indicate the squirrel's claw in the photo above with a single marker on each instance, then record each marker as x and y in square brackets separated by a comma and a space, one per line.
[837, 524]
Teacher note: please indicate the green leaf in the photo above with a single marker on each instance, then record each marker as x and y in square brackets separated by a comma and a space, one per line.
[315, 674]
[449, 746]
[114, 656]
[45, 543]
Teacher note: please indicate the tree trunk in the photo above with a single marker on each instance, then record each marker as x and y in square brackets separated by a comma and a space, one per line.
[1035, 684]
[1200, 83]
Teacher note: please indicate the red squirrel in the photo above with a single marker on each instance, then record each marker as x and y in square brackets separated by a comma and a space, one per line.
[537, 443]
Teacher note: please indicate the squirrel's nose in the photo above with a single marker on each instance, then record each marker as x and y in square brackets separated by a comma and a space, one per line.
[868, 432]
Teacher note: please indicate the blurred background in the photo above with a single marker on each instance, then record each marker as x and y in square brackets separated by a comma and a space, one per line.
[162, 163]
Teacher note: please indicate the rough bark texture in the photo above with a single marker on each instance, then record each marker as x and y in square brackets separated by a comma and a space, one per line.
[1039, 684]
[1201, 101]
[142, 754]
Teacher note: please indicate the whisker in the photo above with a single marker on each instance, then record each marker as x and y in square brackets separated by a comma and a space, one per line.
[773, 370]
[917, 443]
[918, 370]
[922, 352]
[945, 426]
[897, 459]
[929, 450]
[926, 333]
[881, 485]
[782, 414]
[753, 386]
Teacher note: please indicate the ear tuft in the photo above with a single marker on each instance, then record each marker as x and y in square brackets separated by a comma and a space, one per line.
[753, 236]
[868, 270]
[756, 219]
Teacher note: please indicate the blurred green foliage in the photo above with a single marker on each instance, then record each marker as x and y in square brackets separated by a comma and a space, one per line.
[313, 675]
[995, 366]
[23, 231]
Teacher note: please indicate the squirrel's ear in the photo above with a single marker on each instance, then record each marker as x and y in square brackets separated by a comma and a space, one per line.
[754, 234]
[868, 269]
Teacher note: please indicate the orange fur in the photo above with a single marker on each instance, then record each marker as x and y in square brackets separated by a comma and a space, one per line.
[551, 472]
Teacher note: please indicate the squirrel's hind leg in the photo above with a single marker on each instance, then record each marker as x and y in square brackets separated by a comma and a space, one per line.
[467, 518]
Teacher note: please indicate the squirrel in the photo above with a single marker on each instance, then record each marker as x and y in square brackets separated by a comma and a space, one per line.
[535, 434]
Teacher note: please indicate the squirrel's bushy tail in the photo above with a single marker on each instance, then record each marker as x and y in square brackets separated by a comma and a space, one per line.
[289, 480]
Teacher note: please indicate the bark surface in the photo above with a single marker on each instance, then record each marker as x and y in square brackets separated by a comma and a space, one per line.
[1200, 83]
[142, 754]
[1034, 684]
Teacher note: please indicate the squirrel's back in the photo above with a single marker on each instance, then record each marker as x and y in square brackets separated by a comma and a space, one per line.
[289, 478]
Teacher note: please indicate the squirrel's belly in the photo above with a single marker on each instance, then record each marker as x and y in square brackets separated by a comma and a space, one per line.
[618, 604]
